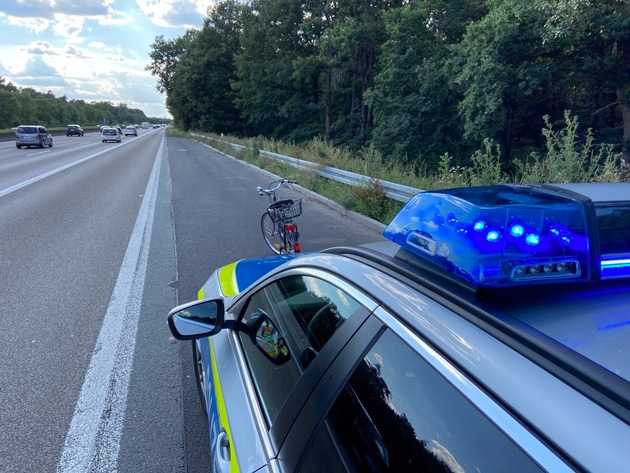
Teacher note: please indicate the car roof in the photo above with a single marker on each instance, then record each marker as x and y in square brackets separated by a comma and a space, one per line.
[590, 319]
[593, 320]
[600, 192]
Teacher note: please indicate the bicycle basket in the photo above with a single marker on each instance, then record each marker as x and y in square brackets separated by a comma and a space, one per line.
[289, 211]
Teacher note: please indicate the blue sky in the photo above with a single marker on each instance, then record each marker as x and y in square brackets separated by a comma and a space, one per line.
[91, 49]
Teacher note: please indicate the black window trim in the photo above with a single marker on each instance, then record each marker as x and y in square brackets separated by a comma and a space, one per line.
[323, 396]
[273, 438]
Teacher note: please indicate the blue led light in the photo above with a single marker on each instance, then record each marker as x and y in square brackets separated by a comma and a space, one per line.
[547, 235]
[532, 239]
[493, 235]
[479, 226]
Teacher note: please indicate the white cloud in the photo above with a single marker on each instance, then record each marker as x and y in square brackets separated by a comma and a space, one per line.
[47, 8]
[36, 25]
[67, 17]
[96, 44]
[68, 25]
[38, 73]
[446, 457]
[40, 47]
[27, 8]
[74, 51]
[175, 13]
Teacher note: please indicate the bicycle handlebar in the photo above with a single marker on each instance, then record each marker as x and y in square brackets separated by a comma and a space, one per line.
[274, 186]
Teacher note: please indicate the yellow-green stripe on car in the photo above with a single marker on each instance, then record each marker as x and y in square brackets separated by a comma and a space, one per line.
[227, 280]
[222, 410]
[200, 294]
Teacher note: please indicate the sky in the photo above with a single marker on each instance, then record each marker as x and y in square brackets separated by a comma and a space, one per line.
[95, 50]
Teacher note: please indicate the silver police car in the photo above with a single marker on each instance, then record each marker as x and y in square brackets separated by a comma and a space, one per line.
[489, 332]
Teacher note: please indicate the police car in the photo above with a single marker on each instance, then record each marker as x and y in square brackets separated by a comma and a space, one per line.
[490, 332]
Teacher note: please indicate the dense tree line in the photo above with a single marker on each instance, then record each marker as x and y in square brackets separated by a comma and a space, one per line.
[27, 106]
[413, 78]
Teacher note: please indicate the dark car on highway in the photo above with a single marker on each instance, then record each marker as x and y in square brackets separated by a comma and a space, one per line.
[74, 130]
[32, 135]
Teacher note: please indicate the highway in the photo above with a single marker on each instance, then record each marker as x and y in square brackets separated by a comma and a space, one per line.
[97, 242]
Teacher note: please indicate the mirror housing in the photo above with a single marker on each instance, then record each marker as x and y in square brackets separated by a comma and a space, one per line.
[198, 319]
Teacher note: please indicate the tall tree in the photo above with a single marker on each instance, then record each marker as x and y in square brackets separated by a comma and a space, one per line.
[197, 77]
[414, 98]
[595, 38]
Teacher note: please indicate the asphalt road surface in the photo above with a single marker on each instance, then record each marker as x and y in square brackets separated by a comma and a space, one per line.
[97, 242]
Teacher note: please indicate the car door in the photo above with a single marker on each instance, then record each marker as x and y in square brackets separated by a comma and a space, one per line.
[392, 404]
[254, 398]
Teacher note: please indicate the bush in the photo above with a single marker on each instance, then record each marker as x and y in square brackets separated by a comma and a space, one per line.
[566, 160]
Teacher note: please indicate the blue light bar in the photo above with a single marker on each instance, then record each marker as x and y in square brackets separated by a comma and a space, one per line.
[615, 266]
[499, 236]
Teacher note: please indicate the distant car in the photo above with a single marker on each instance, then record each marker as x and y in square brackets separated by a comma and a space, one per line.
[111, 134]
[74, 130]
[156, 126]
[32, 135]
[130, 130]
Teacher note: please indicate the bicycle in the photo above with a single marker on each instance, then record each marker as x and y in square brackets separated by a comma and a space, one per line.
[276, 224]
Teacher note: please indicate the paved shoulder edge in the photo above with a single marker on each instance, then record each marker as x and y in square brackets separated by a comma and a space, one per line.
[357, 217]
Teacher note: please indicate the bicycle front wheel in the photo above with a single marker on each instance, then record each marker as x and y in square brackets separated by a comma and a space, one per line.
[272, 233]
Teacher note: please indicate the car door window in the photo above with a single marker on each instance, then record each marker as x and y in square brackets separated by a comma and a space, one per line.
[397, 414]
[305, 312]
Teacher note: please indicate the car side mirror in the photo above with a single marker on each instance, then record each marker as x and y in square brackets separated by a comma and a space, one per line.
[197, 319]
[267, 338]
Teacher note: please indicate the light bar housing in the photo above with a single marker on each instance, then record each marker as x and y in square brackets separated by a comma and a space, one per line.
[500, 236]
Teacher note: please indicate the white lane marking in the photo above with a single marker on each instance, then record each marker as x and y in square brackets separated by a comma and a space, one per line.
[93, 439]
[52, 152]
[33, 180]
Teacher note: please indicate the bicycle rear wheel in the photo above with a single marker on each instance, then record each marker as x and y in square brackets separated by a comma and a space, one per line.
[272, 233]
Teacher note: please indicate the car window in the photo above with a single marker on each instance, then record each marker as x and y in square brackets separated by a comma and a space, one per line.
[397, 414]
[306, 311]
[27, 129]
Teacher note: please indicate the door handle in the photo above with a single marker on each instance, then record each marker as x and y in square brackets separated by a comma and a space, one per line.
[222, 453]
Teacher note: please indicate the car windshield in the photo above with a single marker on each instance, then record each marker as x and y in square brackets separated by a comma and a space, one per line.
[109, 131]
[27, 129]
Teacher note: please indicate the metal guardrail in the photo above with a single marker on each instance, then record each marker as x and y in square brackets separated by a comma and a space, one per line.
[394, 191]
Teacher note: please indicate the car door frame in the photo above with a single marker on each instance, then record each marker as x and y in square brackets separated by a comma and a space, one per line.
[273, 436]
[323, 396]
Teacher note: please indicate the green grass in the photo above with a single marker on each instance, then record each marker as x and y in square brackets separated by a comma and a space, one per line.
[567, 157]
